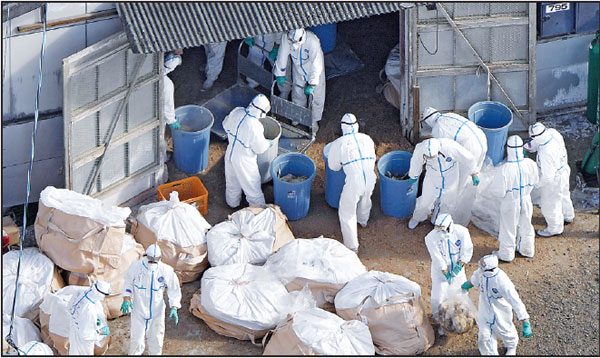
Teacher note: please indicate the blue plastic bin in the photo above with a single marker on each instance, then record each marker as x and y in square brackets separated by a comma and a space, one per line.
[326, 34]
[293, 198]
[334, 181]
[494, 119]
[394, 198]
[191, 141]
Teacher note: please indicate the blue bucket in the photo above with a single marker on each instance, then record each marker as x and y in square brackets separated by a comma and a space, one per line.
[326, 34]
[191, 141]
[334, 181]
[494, 119]
[394, 199]
[293, 198]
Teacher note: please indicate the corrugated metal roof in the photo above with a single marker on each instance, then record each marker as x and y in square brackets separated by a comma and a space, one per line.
[166, 26]
[15, 9]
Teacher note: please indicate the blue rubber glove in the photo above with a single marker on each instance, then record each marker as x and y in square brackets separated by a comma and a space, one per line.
[270, 143]
[126, 307]
[524, 152]
[281, 80]
[308, 90]
[448, 277]
[104, 331]
[466, 286]
[412, 181]
[175, 125]
[249, 41]
[475, 180]
[98, 322]
[173, 314]
[457, 269]
[526, 330]
[274, 52]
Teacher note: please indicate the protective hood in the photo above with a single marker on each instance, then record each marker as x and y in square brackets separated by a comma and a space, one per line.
[445, 222]
[259, 106]
[297, 37]
[171, 62]
[98, 291]
[430, 115]
[489, 265]
[514, 149]
[538, 134]
[433, 147]
[349, 124]
[153, 251]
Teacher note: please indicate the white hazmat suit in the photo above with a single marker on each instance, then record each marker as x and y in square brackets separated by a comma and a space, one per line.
[450, 248]
[309, 68]
[445, 159]
[171, 62]
[215, 54]
[35, 348]
[246, 139]
[145, 283]
[513, 183]
[354, 153]
[86, 313]
[497, 298]
[553, 165]
[473, 139]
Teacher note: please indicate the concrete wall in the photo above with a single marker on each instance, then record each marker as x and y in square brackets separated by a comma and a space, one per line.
[562, 68]
[20, 61]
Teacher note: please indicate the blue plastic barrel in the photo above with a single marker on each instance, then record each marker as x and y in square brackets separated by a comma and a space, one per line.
[326, 34]
[293, 198]
[493, 118]
[334, 181]
[394, 198]
[191, 141]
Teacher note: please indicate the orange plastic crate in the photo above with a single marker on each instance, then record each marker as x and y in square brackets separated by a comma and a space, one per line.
[191, 191]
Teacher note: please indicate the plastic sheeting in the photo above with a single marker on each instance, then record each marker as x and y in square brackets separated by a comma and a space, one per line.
[36, 275]
[24, 331]
[320, 259]
[486, 208]
[382, 287]
[249, 296]
[245, 238]
[393, 67]
[77, 204]
[174, 221]
[328, 334]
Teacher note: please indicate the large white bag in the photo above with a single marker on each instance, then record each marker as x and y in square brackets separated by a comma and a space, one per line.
[245, 301]
[55, 320]
[35, 348]
[485, 213]
[23, 331]
[392, 307]
[325, 265]
[318, 332]
[250, 235]
[35, 280]
[180, 231]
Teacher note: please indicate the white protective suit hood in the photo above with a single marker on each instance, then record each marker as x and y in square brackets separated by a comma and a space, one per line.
[349, 124]
[259, 106]
[430, 115]
[152, 251]
[445, 222]
[296, 37]
[98, 291]
[514, 149]
[539, 135]
[171, 62]
[490, 265]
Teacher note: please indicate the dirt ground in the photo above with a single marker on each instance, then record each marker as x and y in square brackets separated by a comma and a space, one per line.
[559, 286]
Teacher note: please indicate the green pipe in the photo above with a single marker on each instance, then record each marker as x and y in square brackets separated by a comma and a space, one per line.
[593, 78]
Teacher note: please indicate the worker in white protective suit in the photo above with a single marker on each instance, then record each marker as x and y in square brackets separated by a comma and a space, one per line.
[215, 54]
[445, 159]
[172, 60]
[353, 152]
[513, 183]
[473, 139]
[450, 248]
[33, 348]
[308, 71]
[497, 298]
[553, 165]
[145, 282]
[246, 139]
[87, 321]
